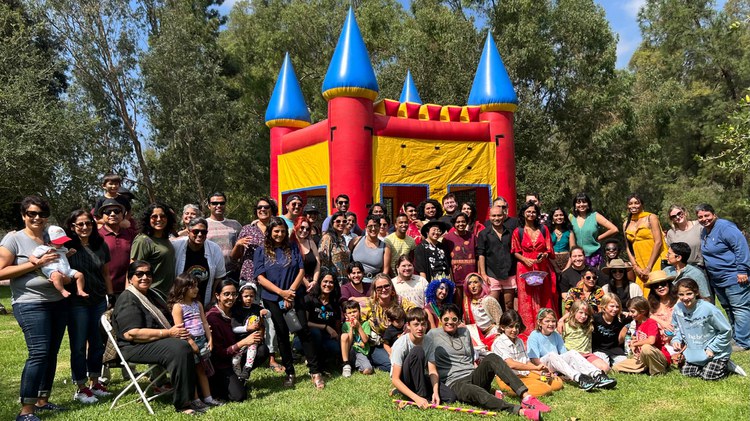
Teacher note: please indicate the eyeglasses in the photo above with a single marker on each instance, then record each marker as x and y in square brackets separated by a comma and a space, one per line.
[611, 249]
[453, 319]
[140, 274]
[591, 277]
[229, 294]
[111, 211]
[679, 214]
[263, 207]
[384, 224]
[342, 202]
[660, 285]
[156, 217]
[339, 221]
[372, 227]
[33, 214]
[84, 224]
[296, 204]
[303, 228]
[197, 232]
[382, 288]
[218, 203]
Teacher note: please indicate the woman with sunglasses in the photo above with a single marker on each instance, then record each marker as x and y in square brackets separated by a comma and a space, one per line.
[153, 246]
[370, 250]
[685, 230]
[586, 290]
[143, 327]
[661, 302]
[619, 284]
[91, 257]
[383, 295]
[587, 224]
[200, 256]
[644, 240]
[334, 254]
[252, 236]
[38, 307]
[302, 236]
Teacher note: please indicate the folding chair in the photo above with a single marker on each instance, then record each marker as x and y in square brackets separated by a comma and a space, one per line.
[133, 378]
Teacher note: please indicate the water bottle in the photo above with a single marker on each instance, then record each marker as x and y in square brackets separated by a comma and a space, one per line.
[282, 304]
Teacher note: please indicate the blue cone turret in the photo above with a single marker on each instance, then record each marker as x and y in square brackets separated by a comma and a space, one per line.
[492, 88]
[287, 106]
[409, 92]
[350, 72]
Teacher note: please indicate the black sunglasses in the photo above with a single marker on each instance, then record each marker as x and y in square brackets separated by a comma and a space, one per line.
[197, 232]
[34, 214]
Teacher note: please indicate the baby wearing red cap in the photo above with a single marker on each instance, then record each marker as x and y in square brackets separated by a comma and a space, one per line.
[59, 271]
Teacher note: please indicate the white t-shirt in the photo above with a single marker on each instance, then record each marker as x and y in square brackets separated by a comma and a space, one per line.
[413, 289]
[506, 348]
[400, 349]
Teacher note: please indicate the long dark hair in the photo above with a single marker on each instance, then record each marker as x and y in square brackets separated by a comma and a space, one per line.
[182, 283]
[95, 240]
[145, 222]
[332, 232]
[653, 297]
[522, 218]
[566, 225]
[270, 244]
[335, 295]
[473, 207]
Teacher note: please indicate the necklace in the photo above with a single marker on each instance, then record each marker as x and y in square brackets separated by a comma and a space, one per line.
[453, 343]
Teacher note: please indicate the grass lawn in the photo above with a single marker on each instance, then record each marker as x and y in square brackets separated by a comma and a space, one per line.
[670, 397]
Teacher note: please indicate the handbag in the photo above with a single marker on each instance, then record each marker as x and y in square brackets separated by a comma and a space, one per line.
[292, 322]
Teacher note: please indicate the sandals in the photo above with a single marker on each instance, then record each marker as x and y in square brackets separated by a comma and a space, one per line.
[317, 380]
[277, 368]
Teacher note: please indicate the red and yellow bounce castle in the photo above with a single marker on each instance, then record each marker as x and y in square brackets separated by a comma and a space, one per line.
[392, 151]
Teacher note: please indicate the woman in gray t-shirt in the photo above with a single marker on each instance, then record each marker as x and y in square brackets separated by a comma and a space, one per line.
[39, 309]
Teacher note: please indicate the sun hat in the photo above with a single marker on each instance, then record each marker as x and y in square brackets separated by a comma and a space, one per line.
[617, 264]
[657, 277]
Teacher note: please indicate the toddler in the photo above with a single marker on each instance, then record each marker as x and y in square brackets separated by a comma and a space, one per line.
[396, 319]
[246, 320]
[60, 271]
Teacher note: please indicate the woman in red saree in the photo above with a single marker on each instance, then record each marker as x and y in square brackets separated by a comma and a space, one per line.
[532, 247]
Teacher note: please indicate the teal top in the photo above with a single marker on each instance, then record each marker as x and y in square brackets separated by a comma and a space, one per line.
[563, 244]
[586, 235]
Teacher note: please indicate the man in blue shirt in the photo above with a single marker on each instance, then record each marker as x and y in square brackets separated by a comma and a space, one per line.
[727, 259]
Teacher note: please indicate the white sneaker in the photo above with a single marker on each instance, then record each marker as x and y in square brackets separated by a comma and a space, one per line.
[100, 390]
[85, 395]
[346, 371]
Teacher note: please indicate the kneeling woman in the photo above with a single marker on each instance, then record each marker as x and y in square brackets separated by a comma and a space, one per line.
[146, 336]
[703, 334]
[225, 384]
[481, 313]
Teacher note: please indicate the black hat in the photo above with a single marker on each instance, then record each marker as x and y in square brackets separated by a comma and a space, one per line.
[293, 197]
[434, 223]
[108, 203]
[310, 208]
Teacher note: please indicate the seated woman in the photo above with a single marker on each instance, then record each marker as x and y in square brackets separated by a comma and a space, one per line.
[438, 293]
[704, 334]
[145, 334]
[225, 383]
[324, 317]
[586, 290]
[481, 313]
[355, 289]
[537, 377]
[408, 284]
[619, 274]
[661, 301]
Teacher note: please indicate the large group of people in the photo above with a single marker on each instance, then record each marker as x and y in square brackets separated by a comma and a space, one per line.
[443, 302]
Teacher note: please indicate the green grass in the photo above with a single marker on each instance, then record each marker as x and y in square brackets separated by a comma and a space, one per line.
[670, 397]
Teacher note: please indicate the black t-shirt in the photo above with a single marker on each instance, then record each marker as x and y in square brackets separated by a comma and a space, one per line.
[90, 262]
[129, 314]
[605, 337]
[240, 315]
[197, 264]
[324, 314]
[570, 277]
[391, 334]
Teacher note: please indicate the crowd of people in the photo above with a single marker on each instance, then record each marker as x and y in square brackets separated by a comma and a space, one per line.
[445, 303]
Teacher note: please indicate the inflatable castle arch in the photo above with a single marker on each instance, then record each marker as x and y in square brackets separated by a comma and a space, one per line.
[391, 151]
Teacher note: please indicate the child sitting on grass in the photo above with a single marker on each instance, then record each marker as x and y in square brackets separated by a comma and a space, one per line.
[576, 328]
[60, 271]
[187, 309]
[247, 319]
[537, 377]
[649, 354]
[610, 327]
[546, 347]
[355, 336]
[396, 318]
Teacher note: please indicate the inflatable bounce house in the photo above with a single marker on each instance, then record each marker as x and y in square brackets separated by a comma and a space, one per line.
[392, 151]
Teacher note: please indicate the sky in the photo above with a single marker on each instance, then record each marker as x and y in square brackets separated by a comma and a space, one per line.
[622, 16]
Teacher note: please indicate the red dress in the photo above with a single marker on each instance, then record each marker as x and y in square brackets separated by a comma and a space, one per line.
[533, 298]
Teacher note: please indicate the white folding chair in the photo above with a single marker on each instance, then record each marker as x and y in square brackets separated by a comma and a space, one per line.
[132, 377]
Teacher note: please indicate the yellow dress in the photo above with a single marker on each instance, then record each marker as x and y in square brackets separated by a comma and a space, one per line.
[643, 243]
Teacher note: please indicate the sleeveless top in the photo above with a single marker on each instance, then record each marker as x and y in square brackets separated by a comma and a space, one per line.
[563, 244]
[309, 263]
[371, 259]
[191, 316]
[586, 235]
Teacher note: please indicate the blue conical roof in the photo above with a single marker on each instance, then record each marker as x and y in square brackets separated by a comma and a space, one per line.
[492, 88]
[350, 72]
[287, 106]
[409, 92]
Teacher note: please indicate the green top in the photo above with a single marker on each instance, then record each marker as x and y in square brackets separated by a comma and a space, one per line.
[586, 235]
[358, 344]
[576, 339]
[160, 254]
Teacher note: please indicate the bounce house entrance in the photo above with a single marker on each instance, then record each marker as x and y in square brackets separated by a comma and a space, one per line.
[481, 195]
[394, 195]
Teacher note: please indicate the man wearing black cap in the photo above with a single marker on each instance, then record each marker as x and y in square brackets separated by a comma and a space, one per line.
[294, 206]
[119, 239]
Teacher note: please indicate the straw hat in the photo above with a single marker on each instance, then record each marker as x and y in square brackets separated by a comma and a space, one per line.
[657, 277]
[617, 264]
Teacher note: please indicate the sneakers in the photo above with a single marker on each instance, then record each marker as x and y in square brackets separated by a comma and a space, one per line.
[531, 414]
[604, 382]
[213, 402]
[346, 371]
[100, 390]
[531, 402]
[289, 380]
[49, 406]
[237, 364]
[27, 417]
[85, 395]
[585, 382]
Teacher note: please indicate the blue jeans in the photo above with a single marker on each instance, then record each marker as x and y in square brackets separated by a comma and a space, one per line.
[43, 325]
[380, 359]
[83, 329]
[735, 299]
